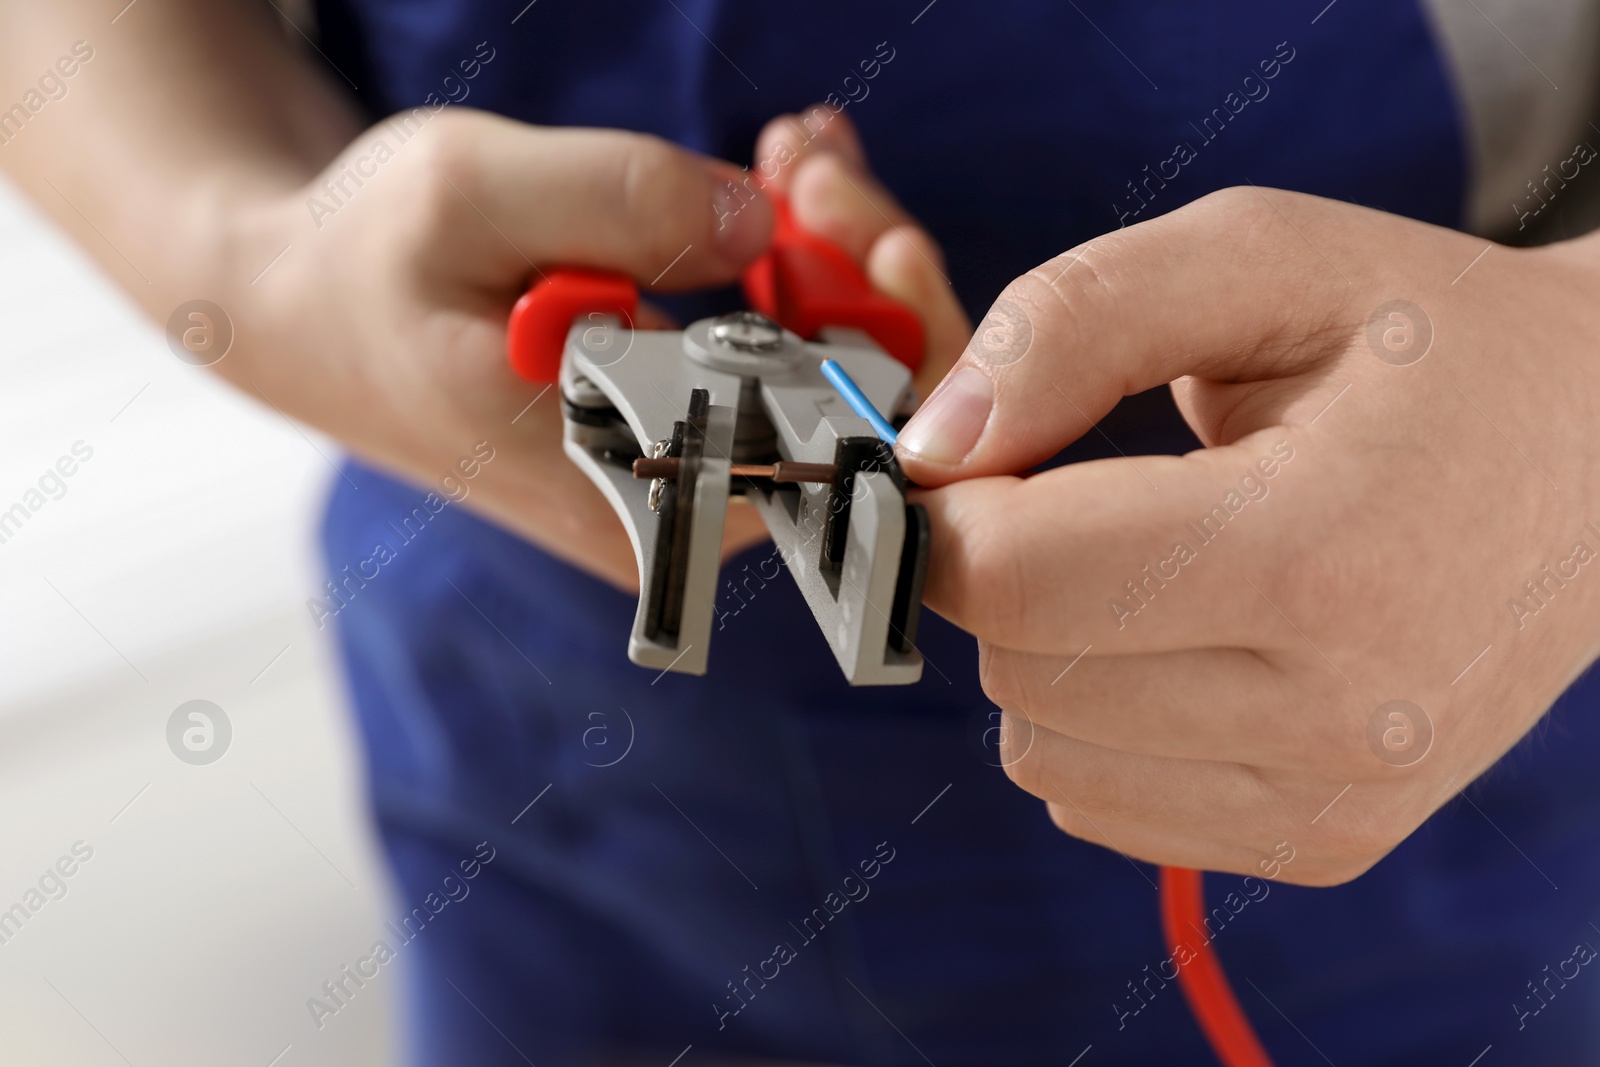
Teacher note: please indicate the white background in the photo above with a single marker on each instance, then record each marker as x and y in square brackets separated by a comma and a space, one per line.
[181, 556]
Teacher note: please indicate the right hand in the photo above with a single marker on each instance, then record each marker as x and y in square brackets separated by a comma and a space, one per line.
[385, 325]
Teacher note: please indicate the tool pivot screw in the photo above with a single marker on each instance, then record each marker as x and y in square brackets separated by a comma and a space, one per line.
[748, 331]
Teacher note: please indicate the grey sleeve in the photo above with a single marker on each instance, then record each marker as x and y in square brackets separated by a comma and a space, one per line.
[1527, 80]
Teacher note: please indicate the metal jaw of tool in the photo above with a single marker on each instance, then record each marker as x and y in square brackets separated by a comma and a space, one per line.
[670, 423]
[742, 390]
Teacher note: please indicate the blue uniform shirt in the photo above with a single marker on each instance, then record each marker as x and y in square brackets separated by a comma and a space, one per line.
[764, 862]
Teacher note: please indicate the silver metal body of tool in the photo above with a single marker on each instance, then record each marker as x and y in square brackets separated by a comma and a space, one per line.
[740, 389]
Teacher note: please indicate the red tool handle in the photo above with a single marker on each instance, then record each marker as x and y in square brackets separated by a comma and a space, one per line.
[539, 323]
[803, 282]
[806, 282]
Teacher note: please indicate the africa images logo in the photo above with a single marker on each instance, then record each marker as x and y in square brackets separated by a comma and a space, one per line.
[199, 732]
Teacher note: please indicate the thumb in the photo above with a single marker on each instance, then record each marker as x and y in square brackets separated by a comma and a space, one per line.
[1222, 289]
[609, 199]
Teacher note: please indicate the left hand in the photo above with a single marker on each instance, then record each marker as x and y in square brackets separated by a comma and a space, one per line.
[1197, 653]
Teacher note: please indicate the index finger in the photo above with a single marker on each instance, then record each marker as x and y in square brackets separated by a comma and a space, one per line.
[1149, 554]
[1226, 289]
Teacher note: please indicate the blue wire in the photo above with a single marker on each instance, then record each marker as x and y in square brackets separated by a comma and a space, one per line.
[841, 380]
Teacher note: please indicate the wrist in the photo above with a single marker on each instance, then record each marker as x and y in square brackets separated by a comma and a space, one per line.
[210, 244]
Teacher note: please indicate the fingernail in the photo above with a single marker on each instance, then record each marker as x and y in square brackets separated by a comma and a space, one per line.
[740, 220]
[949, 424]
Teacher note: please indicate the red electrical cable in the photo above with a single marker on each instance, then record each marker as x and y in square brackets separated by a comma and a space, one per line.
[1204, 985]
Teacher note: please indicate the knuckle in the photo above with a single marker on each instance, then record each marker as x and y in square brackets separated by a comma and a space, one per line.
[1253, 220]
[1344, 874]
[992, 585]
[1234, 206]
[1080, 275]
[648, 165]
[998, 676]
[1027, 773]
[1094, 800]
[1069, 821]
[1325, 874]
[656, 186]
[1245, 219]
[1271, 231]
[442, 175]
[1062, 294]
[445, 153]
[1109, 803]
[1352, 844]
